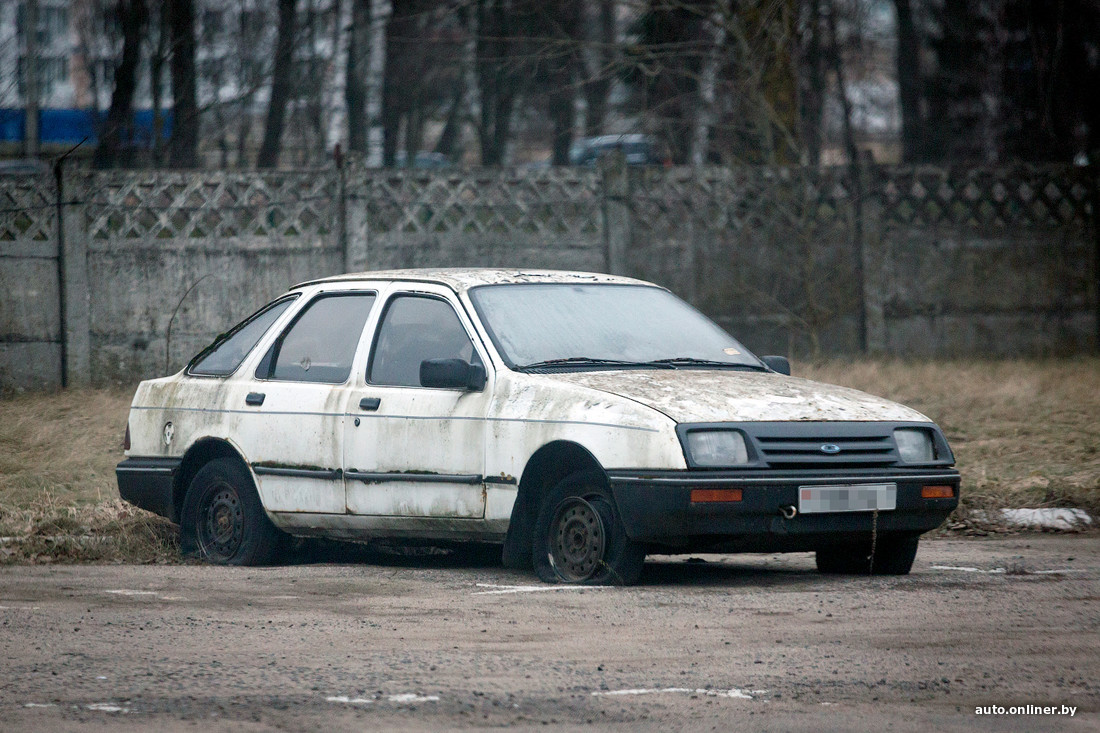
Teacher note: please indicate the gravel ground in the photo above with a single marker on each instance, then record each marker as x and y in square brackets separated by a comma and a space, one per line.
[430, 643]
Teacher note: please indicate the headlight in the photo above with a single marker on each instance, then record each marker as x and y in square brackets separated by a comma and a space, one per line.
[915, 445]
[713, 448]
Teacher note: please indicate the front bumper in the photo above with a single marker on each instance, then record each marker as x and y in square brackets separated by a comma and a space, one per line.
[656, 508]
[149, 483]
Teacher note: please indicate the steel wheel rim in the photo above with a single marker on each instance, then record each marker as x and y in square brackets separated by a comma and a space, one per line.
[577, 540]
[221, 524]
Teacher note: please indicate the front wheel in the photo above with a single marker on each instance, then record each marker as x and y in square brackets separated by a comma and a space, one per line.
[579, 537]
[223, 521]
[893, 556]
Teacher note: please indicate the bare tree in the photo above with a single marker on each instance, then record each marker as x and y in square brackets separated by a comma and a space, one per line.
[280, 87]
[499, 77]
[355, 87]
[909, 83]
[559, 61]
[600, 65]
[183, 147]
[132, 18]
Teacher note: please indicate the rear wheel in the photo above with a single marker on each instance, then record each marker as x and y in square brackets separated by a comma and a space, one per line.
[223, 521]
[579, 537]
[893, 556]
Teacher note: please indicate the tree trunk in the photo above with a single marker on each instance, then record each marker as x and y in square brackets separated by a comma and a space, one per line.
[132, 15]
[562, 63]
[355, 89]
[813, 85]
[280, 87]
[598, 84]
[183, 148]
[156, 87]
[909, 83]
[495, 84]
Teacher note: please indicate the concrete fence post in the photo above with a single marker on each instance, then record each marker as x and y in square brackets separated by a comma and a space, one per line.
[72, 265]
[353, 203]
[875, 252]
[615, 191]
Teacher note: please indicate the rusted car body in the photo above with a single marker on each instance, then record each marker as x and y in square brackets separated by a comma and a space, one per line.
[415, 421]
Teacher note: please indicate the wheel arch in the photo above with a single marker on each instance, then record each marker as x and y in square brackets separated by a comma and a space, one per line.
[198, 455]
[549, 465]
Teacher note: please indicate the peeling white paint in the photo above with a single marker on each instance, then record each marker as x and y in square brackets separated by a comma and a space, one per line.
[697, 395]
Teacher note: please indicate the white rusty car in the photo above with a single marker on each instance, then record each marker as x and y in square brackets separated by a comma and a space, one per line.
[581, 420]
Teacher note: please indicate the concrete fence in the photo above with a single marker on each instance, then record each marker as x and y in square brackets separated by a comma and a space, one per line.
[112, 277]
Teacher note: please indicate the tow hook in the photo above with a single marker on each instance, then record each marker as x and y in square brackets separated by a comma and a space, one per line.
[788, 511]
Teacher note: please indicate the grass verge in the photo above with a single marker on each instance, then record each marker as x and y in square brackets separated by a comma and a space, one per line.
[1025, 434]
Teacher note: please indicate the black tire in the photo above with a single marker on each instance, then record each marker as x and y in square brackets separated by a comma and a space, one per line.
[223, 521]
[579, 538]
[893, 556]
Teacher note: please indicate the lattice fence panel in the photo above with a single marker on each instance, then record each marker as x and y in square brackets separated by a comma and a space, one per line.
[999, 198]
[554, 203]
[728, 202]
[212, 205]
[28, 211]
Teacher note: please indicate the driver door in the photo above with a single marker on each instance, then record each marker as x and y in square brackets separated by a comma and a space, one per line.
[409, 450]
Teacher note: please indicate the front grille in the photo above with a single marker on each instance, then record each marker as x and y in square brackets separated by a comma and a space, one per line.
[825, 446]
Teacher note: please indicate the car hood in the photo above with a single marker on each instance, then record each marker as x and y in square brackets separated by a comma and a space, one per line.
[696, 395]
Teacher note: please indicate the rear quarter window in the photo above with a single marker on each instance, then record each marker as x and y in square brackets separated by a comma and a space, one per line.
[222, 358]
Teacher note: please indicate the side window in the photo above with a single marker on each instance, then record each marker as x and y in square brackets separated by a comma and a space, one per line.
[222, 358]
[320, 344]
[415, 329]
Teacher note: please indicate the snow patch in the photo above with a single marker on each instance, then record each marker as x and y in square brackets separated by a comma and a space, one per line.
[349, 700]
[410, 697]
[506, 589]
[1047, 518]
[733, 693]
[107, 707]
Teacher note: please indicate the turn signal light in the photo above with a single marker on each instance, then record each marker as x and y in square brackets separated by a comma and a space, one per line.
[937, 492]
[702, 496]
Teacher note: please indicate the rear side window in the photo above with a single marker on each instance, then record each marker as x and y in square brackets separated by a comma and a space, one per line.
[320, 345]
[222, 358]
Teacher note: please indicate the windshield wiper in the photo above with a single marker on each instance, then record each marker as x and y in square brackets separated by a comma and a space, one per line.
[691, 361]
[590, 361]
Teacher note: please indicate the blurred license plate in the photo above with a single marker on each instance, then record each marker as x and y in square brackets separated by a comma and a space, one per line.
[856, 498]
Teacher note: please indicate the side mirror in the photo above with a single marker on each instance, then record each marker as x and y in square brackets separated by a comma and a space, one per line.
[777, 364]
[452, 374]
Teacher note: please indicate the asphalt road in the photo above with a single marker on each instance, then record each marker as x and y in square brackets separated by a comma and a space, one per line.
[430, 643]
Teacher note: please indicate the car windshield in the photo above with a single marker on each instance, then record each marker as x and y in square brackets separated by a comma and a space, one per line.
[577, 326]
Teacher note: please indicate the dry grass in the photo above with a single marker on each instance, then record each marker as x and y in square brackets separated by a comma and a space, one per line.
[1025, 433]
[58, 497]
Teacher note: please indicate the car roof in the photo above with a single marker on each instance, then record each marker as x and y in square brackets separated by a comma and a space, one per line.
[464, 278]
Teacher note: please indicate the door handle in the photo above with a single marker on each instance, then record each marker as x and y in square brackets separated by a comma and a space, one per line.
[370, 403]
[254, 398]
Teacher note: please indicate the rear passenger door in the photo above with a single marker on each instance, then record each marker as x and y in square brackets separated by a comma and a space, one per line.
[293, 417]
